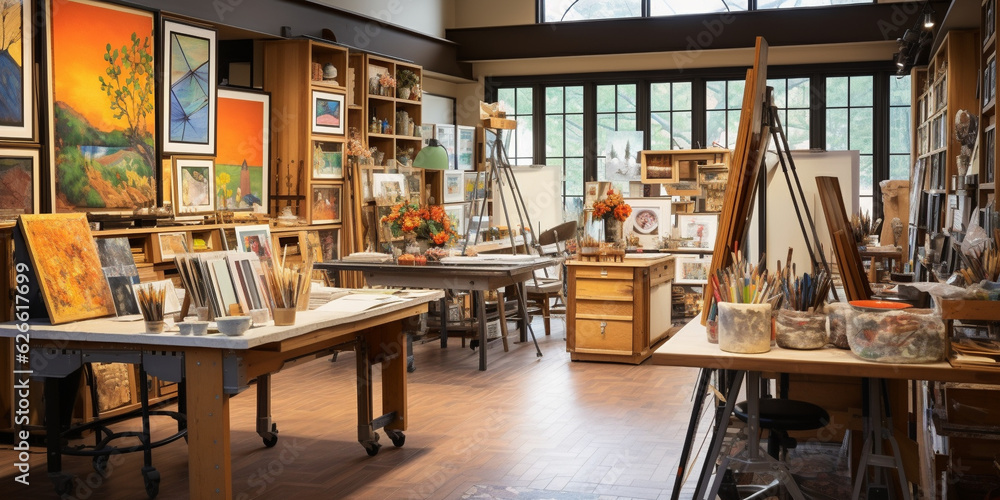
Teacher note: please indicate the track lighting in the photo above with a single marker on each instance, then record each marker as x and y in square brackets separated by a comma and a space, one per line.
[928, 20]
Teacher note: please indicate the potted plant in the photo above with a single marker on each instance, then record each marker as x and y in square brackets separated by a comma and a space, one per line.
[405, 81]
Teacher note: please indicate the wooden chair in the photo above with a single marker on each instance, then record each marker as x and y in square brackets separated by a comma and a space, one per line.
[541, 290]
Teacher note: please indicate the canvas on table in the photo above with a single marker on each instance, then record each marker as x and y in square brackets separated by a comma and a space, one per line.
[243, 149]
[69, 273]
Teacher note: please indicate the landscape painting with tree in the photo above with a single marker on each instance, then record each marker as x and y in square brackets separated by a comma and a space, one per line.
[102, 120]
[16, 119]
[241, 164]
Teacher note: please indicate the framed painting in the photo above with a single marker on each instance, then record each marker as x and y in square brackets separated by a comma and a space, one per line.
[456, 213]
[171, 244]
[194, 185]
[388, 189]
[188, 102]
[17, 107]
[241, 163]
[701, 228]
[328, 160]
[366, 172]
[102, 124]
[326, 203]
[594, 191]
[119, 269]
[327, 113]
[19, 193]
[454, 186]
[256, 239]
[65, 259]
[329, 242]
[445, 134]
[650, 220]
[692, 269]
[465, 148]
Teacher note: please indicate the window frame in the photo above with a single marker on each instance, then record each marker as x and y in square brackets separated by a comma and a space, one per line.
[647, 11]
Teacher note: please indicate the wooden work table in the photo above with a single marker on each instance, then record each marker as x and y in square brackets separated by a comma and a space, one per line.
[617, 311]
[219, 367]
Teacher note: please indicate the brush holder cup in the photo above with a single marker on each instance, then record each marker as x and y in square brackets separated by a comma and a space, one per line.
[744, 328]
[800, 329]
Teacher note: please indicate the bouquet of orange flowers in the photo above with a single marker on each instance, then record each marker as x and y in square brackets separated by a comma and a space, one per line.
[430, 223]
[612, 206]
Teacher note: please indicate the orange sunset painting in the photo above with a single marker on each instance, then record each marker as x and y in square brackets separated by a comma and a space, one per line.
[242, 149]
[103, 122]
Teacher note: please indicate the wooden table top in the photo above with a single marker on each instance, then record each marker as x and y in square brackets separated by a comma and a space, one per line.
[631, 260]
[690, 347]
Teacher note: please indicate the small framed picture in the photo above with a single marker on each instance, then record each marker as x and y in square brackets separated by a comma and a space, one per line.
[255, 238]
[465, 148]
[454, 189]
[329, 244]
[365, 172]
[700, 228]
[327, 113]
[692, 269]
[326, 204]
[456, 212]
[388, 189]
[20, 182]
[171, 244]
[328, 160]
[194, 185]
[650, 220]
[594, 191]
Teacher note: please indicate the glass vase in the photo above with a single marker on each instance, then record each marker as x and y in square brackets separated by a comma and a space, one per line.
[612, 230]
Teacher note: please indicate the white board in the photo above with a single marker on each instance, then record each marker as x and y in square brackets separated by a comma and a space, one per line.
[782, 225]
[541, 188]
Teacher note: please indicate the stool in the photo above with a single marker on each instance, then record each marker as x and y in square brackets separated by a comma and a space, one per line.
[779, 416]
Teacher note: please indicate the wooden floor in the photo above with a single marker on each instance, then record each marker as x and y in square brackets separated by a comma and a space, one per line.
[547, 423]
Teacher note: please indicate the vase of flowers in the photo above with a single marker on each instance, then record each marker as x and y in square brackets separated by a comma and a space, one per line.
[429, 224]
[356, 149]
[614, 211]
[387, 83]
[405, 80]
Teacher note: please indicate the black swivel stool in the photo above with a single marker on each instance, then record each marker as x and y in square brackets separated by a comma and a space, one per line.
[779, 416]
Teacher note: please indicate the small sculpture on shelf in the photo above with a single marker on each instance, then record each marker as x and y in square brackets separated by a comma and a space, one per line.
[330, 74]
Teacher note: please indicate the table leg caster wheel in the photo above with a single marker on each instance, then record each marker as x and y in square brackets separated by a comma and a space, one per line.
[371, 447]
[397, 437]
[271, 438]
[63, 484]
[100, 464]
[538, 354]
[151, 480]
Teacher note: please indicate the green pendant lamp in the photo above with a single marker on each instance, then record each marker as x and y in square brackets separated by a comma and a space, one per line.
[433, 156]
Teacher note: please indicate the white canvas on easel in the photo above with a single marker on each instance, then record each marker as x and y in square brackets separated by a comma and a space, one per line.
[782, 226]
[541, 190]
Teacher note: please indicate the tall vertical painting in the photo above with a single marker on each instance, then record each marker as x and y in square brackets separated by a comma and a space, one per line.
[188, 89]
[101, 68]
[241, 165]
[18, 182]
[16, 82]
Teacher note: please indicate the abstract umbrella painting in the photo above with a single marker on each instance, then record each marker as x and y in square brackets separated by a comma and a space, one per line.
[189, 90]
[16, 84]
[102, 120]
[65, 259]
[242, 160]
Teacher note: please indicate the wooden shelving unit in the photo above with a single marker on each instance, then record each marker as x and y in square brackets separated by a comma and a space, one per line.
[988, 117]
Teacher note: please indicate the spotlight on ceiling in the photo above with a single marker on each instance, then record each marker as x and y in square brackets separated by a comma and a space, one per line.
[928, 20]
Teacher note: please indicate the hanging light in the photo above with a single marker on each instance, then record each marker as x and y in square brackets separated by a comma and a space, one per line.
[928, 20]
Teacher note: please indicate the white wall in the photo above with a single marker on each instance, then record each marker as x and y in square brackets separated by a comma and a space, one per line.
[430, 17]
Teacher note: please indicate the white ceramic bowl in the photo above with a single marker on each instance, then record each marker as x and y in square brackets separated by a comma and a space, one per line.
[233, 326]
[193, 327]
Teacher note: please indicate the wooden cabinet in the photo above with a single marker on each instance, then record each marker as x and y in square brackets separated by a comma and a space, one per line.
[617, 311]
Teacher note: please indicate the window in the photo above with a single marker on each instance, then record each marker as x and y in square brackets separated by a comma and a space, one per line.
[580, 10]
[564, 142]
[723, 102]
[520, 105]
[850, 125]
[554, 11]
[791, 96]
[899, 127]
[670, 116]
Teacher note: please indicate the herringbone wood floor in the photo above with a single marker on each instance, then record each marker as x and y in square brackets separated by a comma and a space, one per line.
[543, 423]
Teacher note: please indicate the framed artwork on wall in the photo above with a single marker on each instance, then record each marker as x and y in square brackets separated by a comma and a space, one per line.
[328, 160]
[243, 148]
[171, 244]
[194, 185]
[692, 269]
[188, 100]
[326, 203]
[650, 220]
[454, 186]
[17, 106]
[327, 113]
[456, 212]
[701, 228]
[101, 64]
[388, 189]
[255, 238]
[19, 193]
[465, 149]
[445, 134]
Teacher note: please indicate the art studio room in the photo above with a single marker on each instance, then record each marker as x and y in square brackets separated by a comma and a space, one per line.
[529, 249]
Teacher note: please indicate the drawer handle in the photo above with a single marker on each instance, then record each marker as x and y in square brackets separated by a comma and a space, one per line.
[604, 324]
[604, 271]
